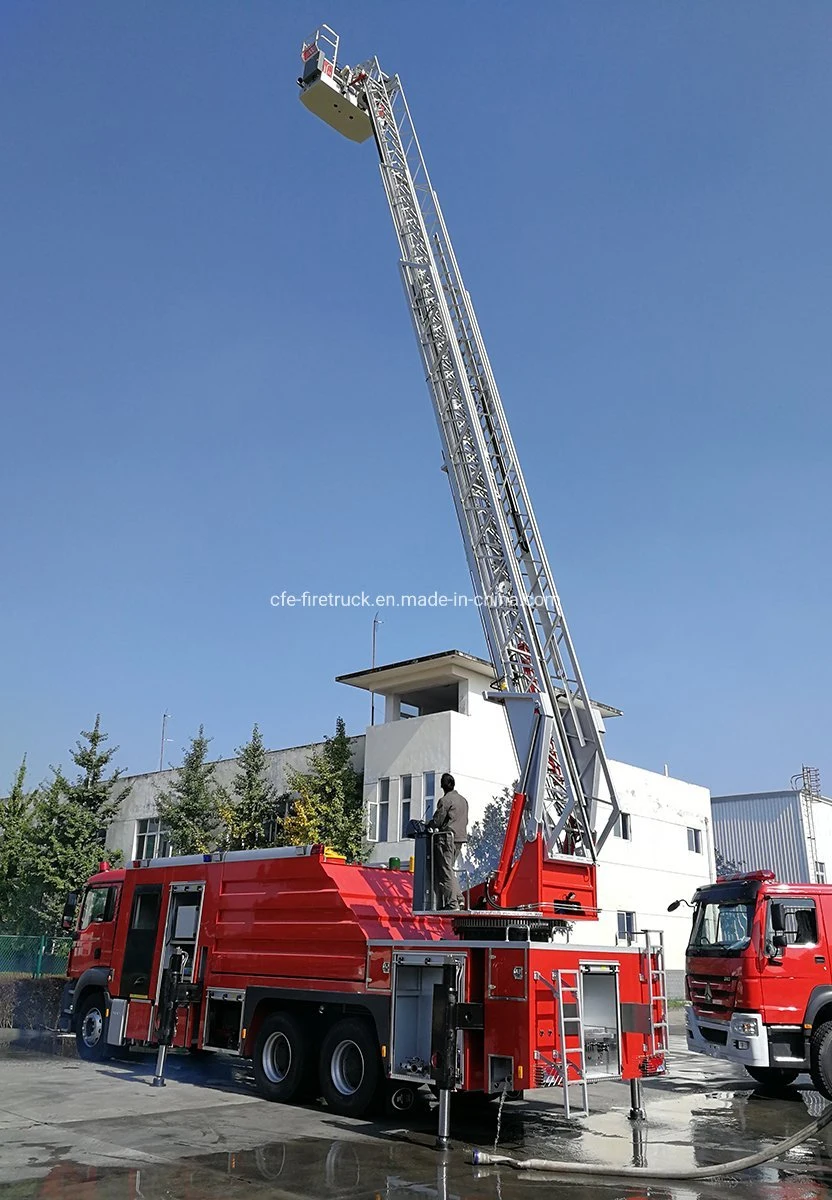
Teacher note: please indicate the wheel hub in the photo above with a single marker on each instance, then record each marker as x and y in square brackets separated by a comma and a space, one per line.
[91, 1027]
[277, 1057]
[347, 1068]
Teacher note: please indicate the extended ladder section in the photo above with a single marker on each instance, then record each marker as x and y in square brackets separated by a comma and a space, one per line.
[572, 803]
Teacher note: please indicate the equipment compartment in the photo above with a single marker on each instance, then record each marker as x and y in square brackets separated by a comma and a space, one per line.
[601, 1027]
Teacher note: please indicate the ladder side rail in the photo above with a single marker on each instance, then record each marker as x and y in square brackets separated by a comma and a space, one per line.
[582, 773]
[524, 658]
[453, 391]
[557, 660]
[489, 510]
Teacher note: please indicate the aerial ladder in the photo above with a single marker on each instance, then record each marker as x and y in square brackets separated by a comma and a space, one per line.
[565, 806]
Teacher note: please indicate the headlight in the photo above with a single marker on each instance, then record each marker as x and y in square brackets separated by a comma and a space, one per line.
[749, 1025]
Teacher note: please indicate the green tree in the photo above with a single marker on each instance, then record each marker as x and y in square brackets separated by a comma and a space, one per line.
[725, 865]
[16, 850]
[190, 808]
[328, 802]
[486, 837]
[250, 815]
[70, 823]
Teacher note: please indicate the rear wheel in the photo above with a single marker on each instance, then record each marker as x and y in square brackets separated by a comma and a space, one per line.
[91, 1027]
[350, 1067]
[820, 1059]
[773, 1077]
[280, 1058]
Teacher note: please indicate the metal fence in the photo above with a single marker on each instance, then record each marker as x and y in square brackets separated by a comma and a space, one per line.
[33, 956]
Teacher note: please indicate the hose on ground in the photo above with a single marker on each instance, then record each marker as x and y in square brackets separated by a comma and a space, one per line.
[484, 1158]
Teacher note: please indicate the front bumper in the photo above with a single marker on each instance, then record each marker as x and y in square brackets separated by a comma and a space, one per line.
[730, 1040]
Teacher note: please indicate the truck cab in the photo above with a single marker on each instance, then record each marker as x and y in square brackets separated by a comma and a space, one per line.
[758, 977]
[85, 1002]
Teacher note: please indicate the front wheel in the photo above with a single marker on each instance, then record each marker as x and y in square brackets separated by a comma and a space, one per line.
[350, 1067]
[820, 1059]
[91, 1027]
[773, 1077]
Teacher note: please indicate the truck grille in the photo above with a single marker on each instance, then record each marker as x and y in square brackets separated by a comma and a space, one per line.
[713, 993]
[718, 1036]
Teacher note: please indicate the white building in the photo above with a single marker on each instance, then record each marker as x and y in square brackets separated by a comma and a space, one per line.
[788, 832]
[436, 720]
[135, 832]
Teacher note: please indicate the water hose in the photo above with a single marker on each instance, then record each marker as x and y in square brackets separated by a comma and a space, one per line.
[484, 1158]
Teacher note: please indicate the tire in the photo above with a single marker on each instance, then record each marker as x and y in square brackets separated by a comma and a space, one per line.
[91, 1028]
[280, 1058]
[820, 1059]
[773, 1077]
[351, 1070]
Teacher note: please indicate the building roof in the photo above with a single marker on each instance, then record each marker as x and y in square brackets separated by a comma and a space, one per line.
[447, 663]
[435, 670]
[782, 793]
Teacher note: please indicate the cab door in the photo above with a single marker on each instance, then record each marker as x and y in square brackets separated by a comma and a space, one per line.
[795, 958]
[93, 941]
[137, 970]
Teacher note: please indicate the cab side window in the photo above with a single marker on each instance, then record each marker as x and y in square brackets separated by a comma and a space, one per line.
[99, 906]
[798, 921]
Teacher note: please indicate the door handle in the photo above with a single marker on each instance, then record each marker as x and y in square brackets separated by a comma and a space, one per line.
[97, 952]
[819, 958]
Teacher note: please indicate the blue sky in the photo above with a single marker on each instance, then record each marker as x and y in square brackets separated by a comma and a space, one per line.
[211, 392]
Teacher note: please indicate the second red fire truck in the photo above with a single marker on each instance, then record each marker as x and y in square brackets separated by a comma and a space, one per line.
[758, 977]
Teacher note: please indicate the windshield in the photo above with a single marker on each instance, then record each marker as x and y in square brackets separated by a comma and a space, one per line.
[724, 926]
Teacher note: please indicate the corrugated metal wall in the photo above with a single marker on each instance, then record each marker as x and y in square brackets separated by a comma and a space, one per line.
[763, 831]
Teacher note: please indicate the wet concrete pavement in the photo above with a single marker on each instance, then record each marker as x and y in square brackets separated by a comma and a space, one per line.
[80, 1131]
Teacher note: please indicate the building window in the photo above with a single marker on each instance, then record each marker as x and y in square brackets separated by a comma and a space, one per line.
[152, 841]
[429, 793]
[820, 872]
[622, 827]
[407, 796]
[626, 924]
[383, 826]
[695, 840]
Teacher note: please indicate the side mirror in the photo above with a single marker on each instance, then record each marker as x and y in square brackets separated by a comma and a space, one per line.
[775, 945]
[68, 918]
[672, 907]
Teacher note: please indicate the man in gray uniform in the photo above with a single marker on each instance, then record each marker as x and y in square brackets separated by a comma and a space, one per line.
[450, 821]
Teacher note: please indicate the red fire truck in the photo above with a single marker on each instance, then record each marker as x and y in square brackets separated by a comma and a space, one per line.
[340, 979]
[758, 977]
[320, 972]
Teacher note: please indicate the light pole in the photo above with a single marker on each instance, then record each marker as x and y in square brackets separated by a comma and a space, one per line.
[376, 623]
[165, 718]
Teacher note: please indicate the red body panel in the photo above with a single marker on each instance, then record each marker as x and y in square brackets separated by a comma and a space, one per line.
[312, 924]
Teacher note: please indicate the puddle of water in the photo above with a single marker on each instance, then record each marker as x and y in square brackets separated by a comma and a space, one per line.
[341, 1169]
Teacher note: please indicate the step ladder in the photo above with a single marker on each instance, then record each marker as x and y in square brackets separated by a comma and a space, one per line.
[657, 986]
[567, 1065]
[571, 1024]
